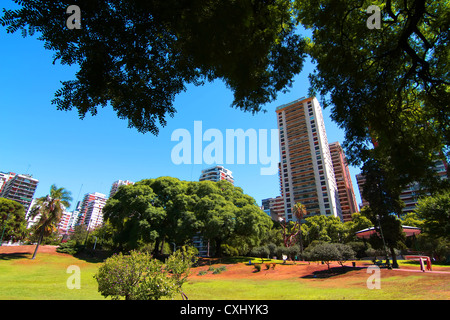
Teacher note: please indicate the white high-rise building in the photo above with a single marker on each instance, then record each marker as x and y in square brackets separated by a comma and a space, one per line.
[216, 173]
[91, 214]
[115, 186]
[306, 171]
[18, 187]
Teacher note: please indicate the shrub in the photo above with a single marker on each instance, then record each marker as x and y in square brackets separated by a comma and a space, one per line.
[345, 253]
[70, 247]
[217, 271]
[202, 272]
[229, 251]
[223, 268]
[257, 267]
[260, 252]
[359, 248]
[138, 276]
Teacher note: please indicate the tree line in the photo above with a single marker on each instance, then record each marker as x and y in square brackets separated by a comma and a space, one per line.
[155, 214]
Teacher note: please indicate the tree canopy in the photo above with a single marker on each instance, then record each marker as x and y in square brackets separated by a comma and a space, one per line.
[138, 55]
[166, 209]
[12, 217]
[435, 211]
[388, 87]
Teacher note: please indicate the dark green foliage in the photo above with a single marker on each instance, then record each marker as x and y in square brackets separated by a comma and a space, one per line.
[166, 210]
[328, 252]
[12, 220]
[70, 247]
[435, 211]
[138, 55]
[257, 268]
[387, 86]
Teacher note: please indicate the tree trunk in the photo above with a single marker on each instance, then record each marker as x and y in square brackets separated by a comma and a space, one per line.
[301, 244]
[155, 249]
[218, 252]
[394, 258]
[162, 246]
[41, 236]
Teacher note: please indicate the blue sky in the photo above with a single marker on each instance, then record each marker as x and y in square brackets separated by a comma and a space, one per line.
[88, 155]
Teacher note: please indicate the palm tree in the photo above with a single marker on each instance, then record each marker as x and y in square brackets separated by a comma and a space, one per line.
[300, 212]
[49, 209]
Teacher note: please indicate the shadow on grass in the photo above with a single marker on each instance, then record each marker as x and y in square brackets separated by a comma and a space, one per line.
[332, 272]
[14, 256]
[93, 256]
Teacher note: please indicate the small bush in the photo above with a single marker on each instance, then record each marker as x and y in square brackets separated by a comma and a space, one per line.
[273, 266]
[223, 268]
[257, 267]
[267, 266]
[70, 247]
[202, 272]
[217, 271]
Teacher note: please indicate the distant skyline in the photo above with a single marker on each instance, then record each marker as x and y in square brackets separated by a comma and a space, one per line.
[88, 155]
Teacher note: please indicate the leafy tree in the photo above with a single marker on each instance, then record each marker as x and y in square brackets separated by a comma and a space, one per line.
[358, 222]
[299, 212]
[435, 210]
[360, 248]
[328, 252]
[406, 120]
[79, 234]
[179, 224]
[411, 219]
[225, 212]
[346, 253]
[179, 264]
[324, 228]
[389, 233]
[138, 55]
[169, 210]
[262, 252]
[49, 210]
[133, 217]
[12, 217]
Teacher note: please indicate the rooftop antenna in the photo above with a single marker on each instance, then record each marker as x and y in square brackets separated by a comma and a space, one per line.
[78, 197]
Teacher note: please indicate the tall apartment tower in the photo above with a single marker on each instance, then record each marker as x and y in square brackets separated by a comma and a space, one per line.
[18, 187]
[274, 207]
[115, 186]
[216, 173]
[91, 214]
[412, 192]
[4, 178]
[306, 171]
[344, 183]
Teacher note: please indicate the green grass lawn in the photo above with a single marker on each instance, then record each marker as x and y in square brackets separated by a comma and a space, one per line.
[392, 288]
[46, 278]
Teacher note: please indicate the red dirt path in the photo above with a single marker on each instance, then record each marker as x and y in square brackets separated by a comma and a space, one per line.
[289, 271]
[27, 249]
